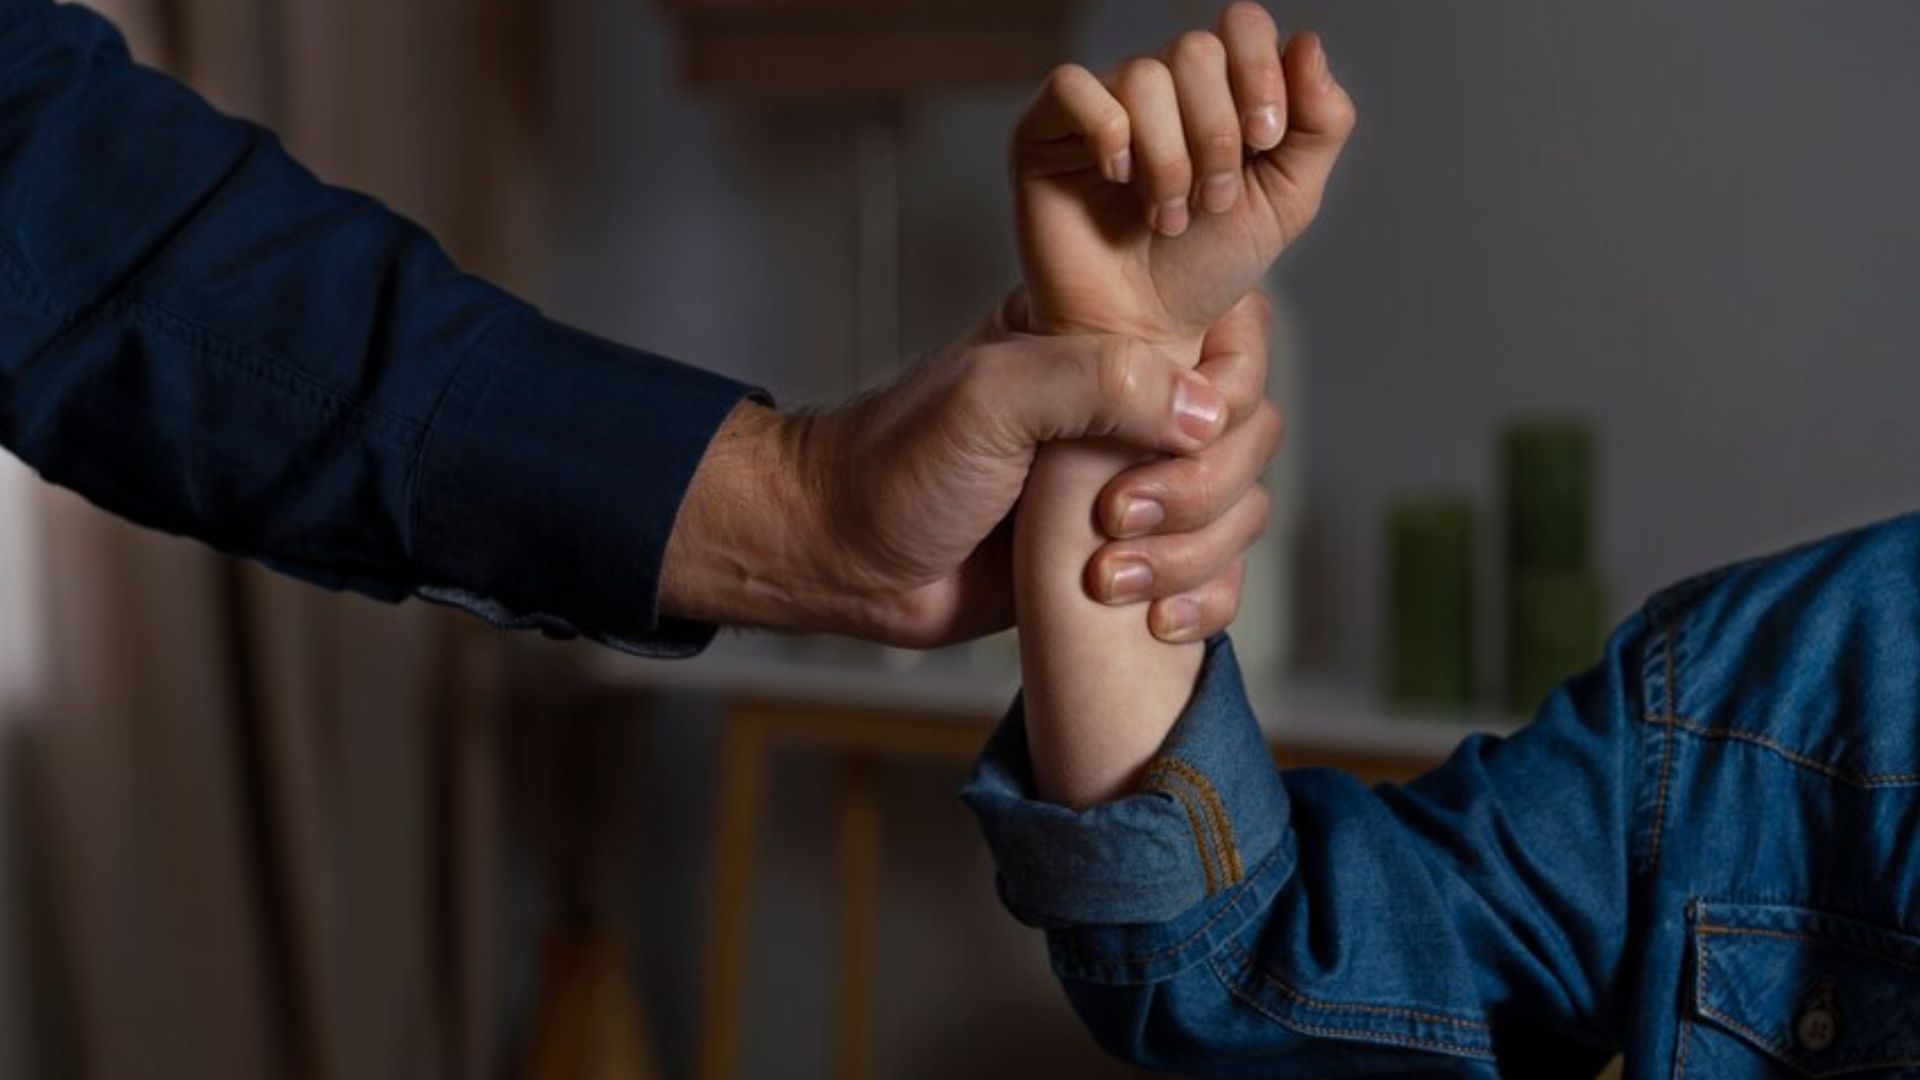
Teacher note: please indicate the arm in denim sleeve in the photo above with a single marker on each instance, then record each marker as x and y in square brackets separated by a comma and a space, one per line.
[197, 334]
[1231, 919]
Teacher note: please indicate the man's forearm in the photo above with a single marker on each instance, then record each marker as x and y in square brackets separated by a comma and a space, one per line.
[746, 546]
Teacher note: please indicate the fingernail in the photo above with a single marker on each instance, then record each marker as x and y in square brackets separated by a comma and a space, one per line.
[1179, 620]
[1196, 408]
[1120, 167]
[1140, 517]
[1263, 127]
[1219, 192]
[1170, 217]
[1129, 580]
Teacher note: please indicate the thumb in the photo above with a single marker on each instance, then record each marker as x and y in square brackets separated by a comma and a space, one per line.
[1088, 386]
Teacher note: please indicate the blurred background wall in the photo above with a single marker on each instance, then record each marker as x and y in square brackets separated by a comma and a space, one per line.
[1694, 224]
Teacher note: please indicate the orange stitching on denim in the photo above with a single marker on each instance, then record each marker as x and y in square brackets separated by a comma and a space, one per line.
[1216, 812]
[1686, 1044]
[1160, 778]
[1787, 1051]
[1356, 1034]
[1700, 995]
[1287, 990]
[1796, 935]
[1233, 872]
[1703, 1000]
[1200, 840]
[1836, 772]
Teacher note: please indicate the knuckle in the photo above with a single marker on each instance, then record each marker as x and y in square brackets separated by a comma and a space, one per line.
[1233, 375]
[977, 393]
[1228, 602]
[974, 371]
[1237, 376]
[1261, 305]
[1199, 483]
[1272, 425]
[1198, 47]
[1174, 180]
[1261, 501]
[1110, 128]
[1172, 175]
[1342, 115]
[1305, 201]
[1191, 562]
[1219, 603]
[1245, 16]
[1062, 79]
[1219, 146]
[1117, 371]
[1143, 73]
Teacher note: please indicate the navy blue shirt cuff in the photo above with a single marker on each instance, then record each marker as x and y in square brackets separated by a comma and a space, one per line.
[550, 478]
[1209, 816]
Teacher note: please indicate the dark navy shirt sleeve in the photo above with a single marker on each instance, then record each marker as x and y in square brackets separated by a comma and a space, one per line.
[198, 335]
[1233, 919]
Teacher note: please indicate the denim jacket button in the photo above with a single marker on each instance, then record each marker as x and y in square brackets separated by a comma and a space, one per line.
[1817, 1027]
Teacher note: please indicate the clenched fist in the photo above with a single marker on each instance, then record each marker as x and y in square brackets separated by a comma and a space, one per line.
[1152, 199]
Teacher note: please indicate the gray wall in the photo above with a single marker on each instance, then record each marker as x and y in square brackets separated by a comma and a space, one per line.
[1696, 223]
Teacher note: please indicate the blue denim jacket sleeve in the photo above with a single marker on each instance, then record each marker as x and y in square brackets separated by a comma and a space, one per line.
[197, 334]
[1234, 919]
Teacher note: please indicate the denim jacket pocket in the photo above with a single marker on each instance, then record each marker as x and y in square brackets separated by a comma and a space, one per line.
[1782, 991]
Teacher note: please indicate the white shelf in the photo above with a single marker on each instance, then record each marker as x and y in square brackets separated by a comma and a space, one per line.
[968, 684]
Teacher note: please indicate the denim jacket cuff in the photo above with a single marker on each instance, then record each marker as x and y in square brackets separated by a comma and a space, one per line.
[1208, 819]
[551, 477]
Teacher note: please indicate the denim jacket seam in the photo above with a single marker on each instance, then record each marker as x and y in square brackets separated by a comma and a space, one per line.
[1684, 1050]
[1241, 896]
[1668, 666]
[1840, 773]
[1203, 849]
[1358, 1034]
[1703, 1001]
[1669, 610]
[1215, 813]
[1245, 960]
[1706, 929]
[1789, 1055]
[1212, 826]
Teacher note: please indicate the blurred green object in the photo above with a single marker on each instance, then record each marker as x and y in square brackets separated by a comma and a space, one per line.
[1556, 601]
[1430, 563]
[1549, 494]
[1555, 621]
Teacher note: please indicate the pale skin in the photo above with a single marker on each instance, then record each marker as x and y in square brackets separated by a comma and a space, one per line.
[889, 517]
[1150, 202]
